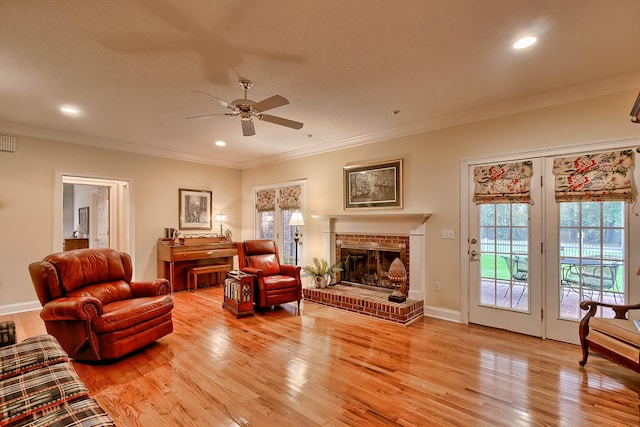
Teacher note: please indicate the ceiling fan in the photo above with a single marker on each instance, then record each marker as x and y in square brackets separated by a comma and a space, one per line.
[248, 109]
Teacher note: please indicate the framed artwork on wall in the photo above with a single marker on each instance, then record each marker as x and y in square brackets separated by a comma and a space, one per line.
[83, 220]
[373, 185]
[194, 209]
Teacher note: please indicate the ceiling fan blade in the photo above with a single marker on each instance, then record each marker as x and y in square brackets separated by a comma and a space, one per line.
[224, 103]
[206, 116]
[280, 121]
[247, 128]
[269, 103]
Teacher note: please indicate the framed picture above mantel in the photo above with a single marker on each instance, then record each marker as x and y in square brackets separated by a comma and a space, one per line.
[373, 185]
[194, 209]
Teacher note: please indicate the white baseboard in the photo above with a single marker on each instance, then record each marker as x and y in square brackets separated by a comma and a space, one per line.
[20, 307]
[442, 313]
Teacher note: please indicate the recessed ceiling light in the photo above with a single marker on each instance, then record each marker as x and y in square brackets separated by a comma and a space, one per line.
[524, 42]
[69, 110]
[221, 143]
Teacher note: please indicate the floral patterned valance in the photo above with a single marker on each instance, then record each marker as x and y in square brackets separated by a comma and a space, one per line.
[503, 183]
[289, 197]
[594, 177]
[266, 200]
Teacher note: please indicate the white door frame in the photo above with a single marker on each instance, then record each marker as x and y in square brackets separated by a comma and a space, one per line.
[123, 206]
[465, 199]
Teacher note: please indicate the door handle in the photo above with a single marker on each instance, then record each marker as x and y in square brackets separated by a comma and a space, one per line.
[473, 255]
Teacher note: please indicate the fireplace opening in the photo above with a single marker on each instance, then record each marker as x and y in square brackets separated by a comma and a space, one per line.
[367, 263]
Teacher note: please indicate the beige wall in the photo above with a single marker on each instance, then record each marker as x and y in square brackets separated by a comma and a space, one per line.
[432, 169]
[431, 184]
[27, 191]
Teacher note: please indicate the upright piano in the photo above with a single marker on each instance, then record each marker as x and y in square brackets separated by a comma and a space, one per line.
[174, 259]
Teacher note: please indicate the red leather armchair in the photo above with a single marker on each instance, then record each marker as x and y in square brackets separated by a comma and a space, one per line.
[94, 309]
[274, 283]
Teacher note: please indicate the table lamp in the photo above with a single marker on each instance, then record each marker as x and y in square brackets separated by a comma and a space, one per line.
[221, 218]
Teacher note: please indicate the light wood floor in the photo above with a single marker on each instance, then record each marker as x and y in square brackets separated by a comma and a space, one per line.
[327, 367]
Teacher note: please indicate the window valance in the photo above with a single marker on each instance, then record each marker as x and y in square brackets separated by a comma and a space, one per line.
[594, 177]
[266, 200]
[289, 197]
[503, 183]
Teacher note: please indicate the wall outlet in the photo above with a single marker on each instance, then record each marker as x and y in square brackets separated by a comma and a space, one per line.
[447, 234]
[436, 286]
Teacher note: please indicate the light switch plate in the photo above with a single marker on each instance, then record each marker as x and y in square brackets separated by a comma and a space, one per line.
[447, 234]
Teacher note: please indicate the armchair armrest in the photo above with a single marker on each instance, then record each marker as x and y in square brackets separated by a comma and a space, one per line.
[71, 308]
[255, 271]
[152, 288]
[619, 310]
[290, 270]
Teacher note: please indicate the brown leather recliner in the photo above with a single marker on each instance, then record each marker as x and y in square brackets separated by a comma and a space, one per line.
[94, 309]
[274, 283]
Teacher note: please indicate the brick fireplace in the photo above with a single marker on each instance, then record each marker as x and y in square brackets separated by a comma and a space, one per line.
[373, 241]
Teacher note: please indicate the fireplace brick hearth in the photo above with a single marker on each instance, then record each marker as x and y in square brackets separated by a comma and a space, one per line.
[364, 301]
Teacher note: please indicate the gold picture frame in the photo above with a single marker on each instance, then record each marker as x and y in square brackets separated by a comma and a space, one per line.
[194, 209]
[373, 185]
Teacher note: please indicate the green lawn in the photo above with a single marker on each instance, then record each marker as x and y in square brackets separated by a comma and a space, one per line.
[487, 262]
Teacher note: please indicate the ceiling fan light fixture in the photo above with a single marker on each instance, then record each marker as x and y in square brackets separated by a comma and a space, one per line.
[247, 109]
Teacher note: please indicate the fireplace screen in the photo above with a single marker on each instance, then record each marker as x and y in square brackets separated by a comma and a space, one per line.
[369, 265]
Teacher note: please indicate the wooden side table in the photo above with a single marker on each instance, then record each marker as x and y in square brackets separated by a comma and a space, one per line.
[238, 293]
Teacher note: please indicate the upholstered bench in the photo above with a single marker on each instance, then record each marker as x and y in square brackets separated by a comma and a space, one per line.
[617, 339]
[40, 387]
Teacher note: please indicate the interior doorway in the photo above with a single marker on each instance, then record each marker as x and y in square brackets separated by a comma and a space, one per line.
[98, 209]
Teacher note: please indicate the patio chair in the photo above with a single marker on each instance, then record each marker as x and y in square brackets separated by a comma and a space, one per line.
[518, 271]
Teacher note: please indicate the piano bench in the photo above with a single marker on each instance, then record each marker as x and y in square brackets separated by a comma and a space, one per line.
[220, 270]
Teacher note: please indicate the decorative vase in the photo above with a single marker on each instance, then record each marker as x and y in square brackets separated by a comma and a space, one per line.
[320, 281]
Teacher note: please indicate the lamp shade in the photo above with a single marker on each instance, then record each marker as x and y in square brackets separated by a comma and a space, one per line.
[296, 219]
[221, 217]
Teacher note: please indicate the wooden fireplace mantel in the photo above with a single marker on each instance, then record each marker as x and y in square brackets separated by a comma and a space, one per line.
[419, 218]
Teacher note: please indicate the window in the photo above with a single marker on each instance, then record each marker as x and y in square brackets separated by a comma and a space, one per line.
[274, 207]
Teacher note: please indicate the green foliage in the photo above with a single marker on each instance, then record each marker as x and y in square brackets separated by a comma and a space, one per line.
[321, 267]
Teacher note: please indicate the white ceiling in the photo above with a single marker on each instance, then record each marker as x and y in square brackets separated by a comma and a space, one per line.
[131, 67]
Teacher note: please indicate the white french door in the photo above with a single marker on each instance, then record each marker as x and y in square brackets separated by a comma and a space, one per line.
[587, 262]
[530, 265]
[505, 263]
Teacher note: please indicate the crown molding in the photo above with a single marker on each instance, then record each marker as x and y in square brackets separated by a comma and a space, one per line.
[547, 99]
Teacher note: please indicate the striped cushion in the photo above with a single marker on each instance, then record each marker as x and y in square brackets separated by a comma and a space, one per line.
[30, 354]
[40, 390]
[80, 413]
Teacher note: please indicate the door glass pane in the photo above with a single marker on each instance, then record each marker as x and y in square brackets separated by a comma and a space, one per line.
[266, 226]
[504, 249]
[288, 245]
[592, 255]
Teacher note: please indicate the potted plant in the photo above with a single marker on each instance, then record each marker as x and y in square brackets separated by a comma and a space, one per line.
[322, 272]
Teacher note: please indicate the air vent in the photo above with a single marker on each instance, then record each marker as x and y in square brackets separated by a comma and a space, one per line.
[8, 143]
